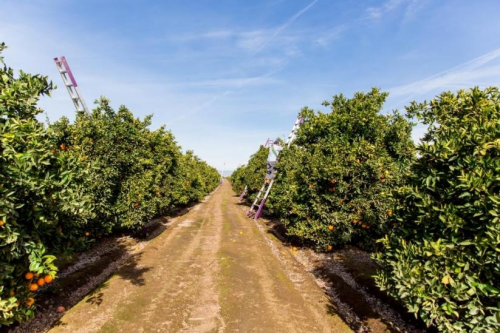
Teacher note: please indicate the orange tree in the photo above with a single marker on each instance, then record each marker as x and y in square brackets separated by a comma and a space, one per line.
[40, 193]
[442, 258]
[65, 186]
[137, 173]
[332, 183]
[251, 175]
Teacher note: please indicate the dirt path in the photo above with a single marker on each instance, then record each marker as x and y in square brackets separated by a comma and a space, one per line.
[214, 270]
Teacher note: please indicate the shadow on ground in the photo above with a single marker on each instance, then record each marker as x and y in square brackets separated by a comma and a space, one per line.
[85, 273]
[346, 276]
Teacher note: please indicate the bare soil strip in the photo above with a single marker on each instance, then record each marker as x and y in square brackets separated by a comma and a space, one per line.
[212, 270]
[346, 276]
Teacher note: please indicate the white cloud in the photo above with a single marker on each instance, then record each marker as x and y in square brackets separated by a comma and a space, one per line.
[461, 76]
[326, 38]
[375, 13]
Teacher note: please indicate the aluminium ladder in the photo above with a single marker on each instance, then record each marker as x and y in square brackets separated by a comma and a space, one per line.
[267, 186]
[71, 85]
[244, 193]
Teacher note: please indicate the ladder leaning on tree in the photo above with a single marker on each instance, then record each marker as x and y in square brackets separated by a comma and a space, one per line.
[71, 85]
[266, 188]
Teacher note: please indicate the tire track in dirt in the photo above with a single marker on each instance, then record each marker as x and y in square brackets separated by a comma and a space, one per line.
[202, 275]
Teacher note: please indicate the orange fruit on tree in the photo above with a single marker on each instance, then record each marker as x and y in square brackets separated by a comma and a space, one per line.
[311, 185]
[33, 287]
[382, 180]
[40, 282]
[389, 212]
[2, 223]
[87, 234]
[30, 301]
[48, 279]
[63, 146]
[333, 181]
[28, 276]
[357, 161]
[330, 227]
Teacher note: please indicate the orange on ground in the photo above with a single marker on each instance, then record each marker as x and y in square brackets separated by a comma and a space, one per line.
[329, 248]
[61, 309]
[28, 276]
[48, 279]
[241, 232]
[33, 287]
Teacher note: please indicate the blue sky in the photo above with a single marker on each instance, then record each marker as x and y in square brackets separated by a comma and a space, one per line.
[226, 75]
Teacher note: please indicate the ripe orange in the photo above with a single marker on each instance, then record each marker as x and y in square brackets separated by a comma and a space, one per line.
[389, 212]
[330, 227]
[87, 234]
[61, 309]
[136, 204]
[329, 248]
[33, 286]
[2, 223]
[294, 249]
[63, 146]
[357, 161]
[30, 301]
[382, 180]
[333, 181]
[41, 282]
[28, 276]
[48, 279]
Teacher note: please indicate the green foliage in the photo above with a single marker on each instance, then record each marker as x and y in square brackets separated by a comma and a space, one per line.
[64, 187]
[252, 175]
[339, 171]
[38, 194]
[442, 259]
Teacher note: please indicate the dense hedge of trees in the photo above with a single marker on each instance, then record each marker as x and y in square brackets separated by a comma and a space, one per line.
[354, 176]
[64, 186]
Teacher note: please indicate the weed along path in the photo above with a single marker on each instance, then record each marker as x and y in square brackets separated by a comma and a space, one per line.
[213, 270]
